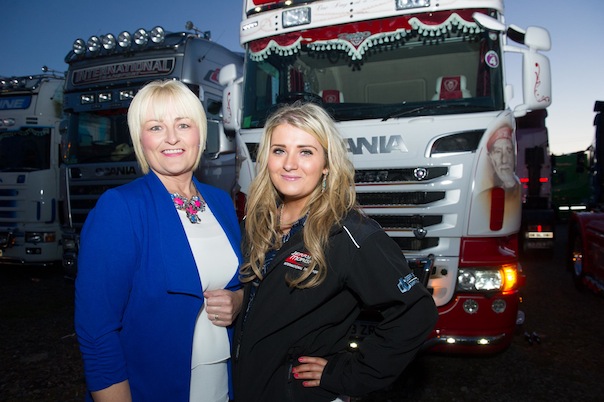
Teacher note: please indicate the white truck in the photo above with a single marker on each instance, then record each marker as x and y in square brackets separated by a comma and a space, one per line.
[30, 116]
[104, 74]
[418, 89]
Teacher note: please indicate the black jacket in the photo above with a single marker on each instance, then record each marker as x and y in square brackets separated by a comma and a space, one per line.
[365, 266]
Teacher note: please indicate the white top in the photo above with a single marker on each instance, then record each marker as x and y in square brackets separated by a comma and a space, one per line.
[216, 263]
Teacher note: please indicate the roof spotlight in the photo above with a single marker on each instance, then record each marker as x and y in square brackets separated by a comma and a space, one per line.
[157, 34]
[108, 41]
[79, 46]
[94, 43]
[124, 39]
[141, 37]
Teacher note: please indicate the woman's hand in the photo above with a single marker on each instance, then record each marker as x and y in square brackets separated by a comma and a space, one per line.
[222, 306]
[310, 370]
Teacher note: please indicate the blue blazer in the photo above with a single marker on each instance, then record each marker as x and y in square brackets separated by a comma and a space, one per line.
[138, 290]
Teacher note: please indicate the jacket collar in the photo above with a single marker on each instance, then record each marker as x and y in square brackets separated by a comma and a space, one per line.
[179, 265]
[177, 259]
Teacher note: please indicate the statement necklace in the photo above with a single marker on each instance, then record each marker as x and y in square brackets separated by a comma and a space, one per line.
[191, 207]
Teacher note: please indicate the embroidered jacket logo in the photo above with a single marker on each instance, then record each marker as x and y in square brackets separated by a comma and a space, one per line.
[406, 283]
[298, 260]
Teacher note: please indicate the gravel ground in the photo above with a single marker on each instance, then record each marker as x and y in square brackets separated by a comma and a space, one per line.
[40, 359]
[38, 349]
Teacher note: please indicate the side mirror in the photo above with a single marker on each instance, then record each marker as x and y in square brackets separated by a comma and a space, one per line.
[217, 142]
[536, 83]
[536, 72]
[537, 38]
[231, 97]
[227, 74]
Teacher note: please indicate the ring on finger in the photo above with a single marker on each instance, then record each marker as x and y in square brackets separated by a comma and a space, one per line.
[215, 317]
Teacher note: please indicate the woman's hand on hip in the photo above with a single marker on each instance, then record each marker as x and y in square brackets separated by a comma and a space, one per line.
[310, 370]
[222, 306]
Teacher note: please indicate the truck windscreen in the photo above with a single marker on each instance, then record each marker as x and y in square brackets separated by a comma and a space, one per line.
[25, 150]
[101, 136]
[408, 76]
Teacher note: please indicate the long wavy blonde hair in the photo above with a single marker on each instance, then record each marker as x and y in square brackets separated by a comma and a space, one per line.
[325, 208]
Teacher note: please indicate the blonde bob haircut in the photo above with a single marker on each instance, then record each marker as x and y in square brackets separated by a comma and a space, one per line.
[326, 206]
[154, 101]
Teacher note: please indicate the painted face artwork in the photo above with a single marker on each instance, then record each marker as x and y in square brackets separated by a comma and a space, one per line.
[171, 145]
[501, 154]
[296, 163]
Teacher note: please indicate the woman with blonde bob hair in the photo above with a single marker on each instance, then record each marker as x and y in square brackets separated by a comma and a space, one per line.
[158, 285]
[312, 259]
[154, 99]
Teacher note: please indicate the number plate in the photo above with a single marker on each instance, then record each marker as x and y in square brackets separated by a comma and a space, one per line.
[361, 329]
[540, 245]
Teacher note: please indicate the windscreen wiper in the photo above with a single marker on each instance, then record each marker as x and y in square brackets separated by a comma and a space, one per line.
[403, 112]
[432, 107]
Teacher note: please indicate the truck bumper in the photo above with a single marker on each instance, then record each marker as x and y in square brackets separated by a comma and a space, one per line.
[475, 324]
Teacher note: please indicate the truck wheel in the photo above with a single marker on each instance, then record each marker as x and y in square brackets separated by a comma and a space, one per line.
[576, 259]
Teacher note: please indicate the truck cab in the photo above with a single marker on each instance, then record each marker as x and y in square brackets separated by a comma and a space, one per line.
[418, 91]
[104, 74]
[30, 116]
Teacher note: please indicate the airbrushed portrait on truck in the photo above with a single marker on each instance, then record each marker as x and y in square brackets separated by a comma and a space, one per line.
[418, 89]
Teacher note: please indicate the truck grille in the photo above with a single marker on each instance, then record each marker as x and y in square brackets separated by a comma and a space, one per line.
[393, 222]
[8, 206]
[84, 198]
[87, 183]
[399, 199]
[413, 244]
[418, 201]
[396, 176]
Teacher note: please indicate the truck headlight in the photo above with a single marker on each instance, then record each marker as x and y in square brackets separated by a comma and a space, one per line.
[406, 4]
[40, 237]
[296, 17]
[487, 279]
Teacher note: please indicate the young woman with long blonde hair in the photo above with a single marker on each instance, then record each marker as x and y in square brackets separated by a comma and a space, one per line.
[312, 260]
